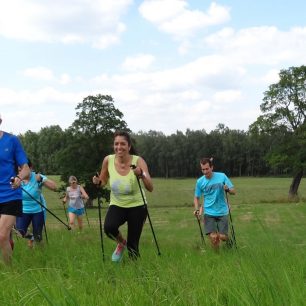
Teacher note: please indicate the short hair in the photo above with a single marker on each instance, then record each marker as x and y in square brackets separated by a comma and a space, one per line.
[207, 160]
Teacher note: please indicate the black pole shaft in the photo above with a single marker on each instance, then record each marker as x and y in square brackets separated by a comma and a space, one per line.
[146, 206]
[100, 222]
[65, 212]
[201, 232]
[86, 215]
[231, 221]
[46, 231]
[48, 210]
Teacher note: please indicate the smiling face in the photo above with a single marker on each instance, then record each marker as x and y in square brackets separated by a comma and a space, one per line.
[121, 146]
[207, 170]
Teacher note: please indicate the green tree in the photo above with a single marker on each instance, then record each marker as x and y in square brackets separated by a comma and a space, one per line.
[284, 118]
[89, 140]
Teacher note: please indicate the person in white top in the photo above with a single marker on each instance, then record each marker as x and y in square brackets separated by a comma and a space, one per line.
[75, 194]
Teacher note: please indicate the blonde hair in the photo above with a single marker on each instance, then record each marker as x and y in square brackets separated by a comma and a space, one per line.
[72, 178]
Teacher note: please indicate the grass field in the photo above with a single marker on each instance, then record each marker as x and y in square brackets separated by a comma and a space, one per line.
[268, 268]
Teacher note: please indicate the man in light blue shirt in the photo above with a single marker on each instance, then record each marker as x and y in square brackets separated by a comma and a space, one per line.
[212, 186]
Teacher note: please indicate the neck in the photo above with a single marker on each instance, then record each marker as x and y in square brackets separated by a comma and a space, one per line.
[123, 161]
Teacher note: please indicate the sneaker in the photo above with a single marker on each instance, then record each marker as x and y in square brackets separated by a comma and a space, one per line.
[118, 253]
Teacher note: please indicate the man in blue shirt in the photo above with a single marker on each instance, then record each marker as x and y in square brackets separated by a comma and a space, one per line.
[12, 156]
[212, 186]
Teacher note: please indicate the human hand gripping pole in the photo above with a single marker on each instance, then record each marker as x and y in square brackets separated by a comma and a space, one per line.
[43, 206]
[145, 204]
[100, 219]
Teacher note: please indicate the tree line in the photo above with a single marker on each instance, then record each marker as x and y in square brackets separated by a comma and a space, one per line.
[273, 145]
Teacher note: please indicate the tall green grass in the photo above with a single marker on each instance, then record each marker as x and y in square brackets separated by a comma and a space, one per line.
[268, 268]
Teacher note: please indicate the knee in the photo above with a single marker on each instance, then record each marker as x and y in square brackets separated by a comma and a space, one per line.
[223, 237]
[214, 238]
[3, 238]
[110, 230]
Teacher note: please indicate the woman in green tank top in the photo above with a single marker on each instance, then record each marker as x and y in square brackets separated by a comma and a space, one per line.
[126, 202]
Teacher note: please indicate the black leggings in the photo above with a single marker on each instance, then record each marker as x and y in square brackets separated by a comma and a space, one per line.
[135, 218]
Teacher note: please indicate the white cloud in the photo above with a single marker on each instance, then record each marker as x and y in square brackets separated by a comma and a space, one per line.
[138, 62]
[260, 45]
[227, 96]
[173, 16]
[73, 21]
[40, 73]
[271, 77]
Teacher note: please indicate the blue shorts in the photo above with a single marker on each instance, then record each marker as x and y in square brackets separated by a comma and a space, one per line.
[78, 212]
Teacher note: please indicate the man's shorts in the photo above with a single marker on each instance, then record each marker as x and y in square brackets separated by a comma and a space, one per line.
[216, 224]
[12, 208]
[78, 212]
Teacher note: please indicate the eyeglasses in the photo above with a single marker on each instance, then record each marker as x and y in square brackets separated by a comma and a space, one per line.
[73, 182]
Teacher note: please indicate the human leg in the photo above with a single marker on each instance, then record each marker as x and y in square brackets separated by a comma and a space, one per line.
[6, 224]
[80, 221]
[114, 218]
[23, 222]
[38, 224]
[223, 227]
[136, 218]
[211, 229]
[71, 217]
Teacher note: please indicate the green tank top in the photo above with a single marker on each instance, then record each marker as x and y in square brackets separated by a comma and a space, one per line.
[124, 188]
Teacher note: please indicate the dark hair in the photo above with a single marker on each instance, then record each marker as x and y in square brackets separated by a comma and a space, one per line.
[129, 140]
[207, 160]
[30, 163]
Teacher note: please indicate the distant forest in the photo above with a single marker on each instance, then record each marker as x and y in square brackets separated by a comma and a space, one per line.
[275, 144]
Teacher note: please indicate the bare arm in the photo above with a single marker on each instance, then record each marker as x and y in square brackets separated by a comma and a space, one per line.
[84, 194]
[142, 172]
[24, 173]
[231, 191]
[47, 183]
[103, 177]
[198, 209]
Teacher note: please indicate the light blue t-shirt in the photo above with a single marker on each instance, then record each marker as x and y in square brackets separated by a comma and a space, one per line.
[213, 191]
[32, 187]
[12, 155]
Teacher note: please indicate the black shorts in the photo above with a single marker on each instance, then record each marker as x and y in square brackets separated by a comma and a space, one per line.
[12, 208]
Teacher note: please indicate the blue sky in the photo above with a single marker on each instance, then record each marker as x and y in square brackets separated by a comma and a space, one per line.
[169, 64]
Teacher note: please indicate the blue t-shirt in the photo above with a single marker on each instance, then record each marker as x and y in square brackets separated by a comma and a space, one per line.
[33, 188]
[213, 191]
[12, 155]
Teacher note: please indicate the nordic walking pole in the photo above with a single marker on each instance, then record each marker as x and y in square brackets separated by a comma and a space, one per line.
[146, 206]
[201, 232]
[231, 220]
[48, 210]
[44, 225]
[64, 206]
[86, 214]
[100, 219]
[46, 232]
